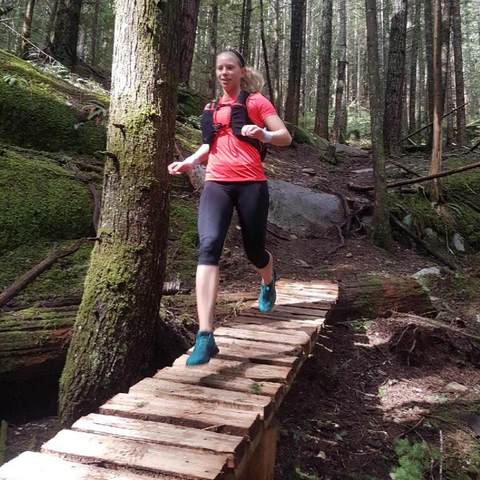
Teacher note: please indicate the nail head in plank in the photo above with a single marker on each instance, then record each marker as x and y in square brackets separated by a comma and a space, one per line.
[137, 456]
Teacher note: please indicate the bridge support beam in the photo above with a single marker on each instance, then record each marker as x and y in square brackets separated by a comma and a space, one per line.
[262, 464]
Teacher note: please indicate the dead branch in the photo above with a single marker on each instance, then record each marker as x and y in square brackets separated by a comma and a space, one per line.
[33, 273]
[366, 188]
[96, 207]
[442, 259]
[473, 148]
[430, 124]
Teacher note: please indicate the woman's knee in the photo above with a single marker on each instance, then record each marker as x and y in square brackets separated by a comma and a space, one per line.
[210, 251]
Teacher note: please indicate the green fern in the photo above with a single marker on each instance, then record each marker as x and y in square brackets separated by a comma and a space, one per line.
[414, 460]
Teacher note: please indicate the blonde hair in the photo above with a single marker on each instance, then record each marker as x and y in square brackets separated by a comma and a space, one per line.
[253, 80]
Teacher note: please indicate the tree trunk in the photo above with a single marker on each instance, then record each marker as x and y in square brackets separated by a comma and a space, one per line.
[292, 103]
[342, 63]
[187, 34]
[381, 226]
[276, 58]
[429, 57]
[265, 56]
[64, 40]
[412, 107]
[436, 161]
[374, 297]
[324, 68]
[448, 104]
[93, 46]
[212, 57]
[245, 30]
[51, 23]
[459, 79]
[27, 28]
[112, 346]
[395, 83]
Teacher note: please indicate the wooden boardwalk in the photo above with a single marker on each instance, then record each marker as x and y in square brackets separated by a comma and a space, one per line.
[215, 421]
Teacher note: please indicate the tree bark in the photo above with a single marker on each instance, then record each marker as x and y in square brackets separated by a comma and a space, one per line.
[27, 28]
[436, 161]
[112, 346]
[324, 69]
[276, 58]
[245, 30]
[412, 107]
[374, 297]
[429, 56]
[381, 227]
[64, 40]
[93, 46]
[51, 23]
[265, 57]
[212, 57]
[292, 103]
[395, 82]
[459, 78]
[187, 34]
[342, 63]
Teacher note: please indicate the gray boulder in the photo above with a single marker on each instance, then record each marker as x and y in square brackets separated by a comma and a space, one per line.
[305, 213]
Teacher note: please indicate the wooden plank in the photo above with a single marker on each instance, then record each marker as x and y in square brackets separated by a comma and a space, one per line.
[233, 447]
[276, 315]
[262, 324]
[290, 338]
[37, 466]
[237, 400]
[138, 456]
[253, 371]
[301, 310]
[309, 286]
[224, 382]
[191, 413]
[258, 356]
[267, 348]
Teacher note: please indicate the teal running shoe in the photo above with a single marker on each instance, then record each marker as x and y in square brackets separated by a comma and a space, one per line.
[204, 349]
[268, 295]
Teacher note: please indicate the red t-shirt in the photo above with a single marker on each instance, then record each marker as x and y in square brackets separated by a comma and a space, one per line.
[231, 159]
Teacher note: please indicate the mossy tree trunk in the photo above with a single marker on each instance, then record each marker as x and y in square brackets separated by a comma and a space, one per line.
[188, 29]
[27, 28]
[112, 344]
[63, 45]
[381, 227]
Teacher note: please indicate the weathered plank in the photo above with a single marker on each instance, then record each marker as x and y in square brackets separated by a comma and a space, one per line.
[283, 326]
[292, 338]
[297, 309]
[224, 382]
[237, 400]
[191, 413]
[253, 371]
[138, 456]
[277, 315]
[267, 348]
[233, 447]
[37, 466]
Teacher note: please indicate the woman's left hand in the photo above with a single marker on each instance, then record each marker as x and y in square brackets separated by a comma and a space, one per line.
[252, 131]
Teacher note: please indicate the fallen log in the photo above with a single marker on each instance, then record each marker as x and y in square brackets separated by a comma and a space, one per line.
[33, 273]
[367, 188]
[376, 296]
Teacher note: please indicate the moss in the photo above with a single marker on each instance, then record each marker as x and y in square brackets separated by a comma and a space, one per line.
[304, 137]
[38, 110]
[190, 103]
[91, 138]
[182, 252]
[40, 200]
[64, 279]
[189, 137]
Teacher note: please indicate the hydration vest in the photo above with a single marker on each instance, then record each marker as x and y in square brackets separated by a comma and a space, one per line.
[238, 118]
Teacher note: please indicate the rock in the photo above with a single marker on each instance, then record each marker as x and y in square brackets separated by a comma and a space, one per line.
[310, 171]
[454, 387]
[302, 263]
[303, 212]
[349, 255]
[304, 137]
[459, 243]
[351, 151]
[426, 271]
[363, 170]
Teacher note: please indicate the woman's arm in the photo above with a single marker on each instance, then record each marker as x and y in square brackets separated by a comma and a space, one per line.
[276, 134]
[200, 156]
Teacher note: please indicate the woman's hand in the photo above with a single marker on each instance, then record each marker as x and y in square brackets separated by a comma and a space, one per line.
[253, 131]
[177, 168]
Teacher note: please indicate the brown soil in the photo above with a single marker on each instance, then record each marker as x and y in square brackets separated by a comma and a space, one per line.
[367, 383]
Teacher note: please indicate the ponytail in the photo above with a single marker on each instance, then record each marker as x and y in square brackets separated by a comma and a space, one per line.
[252, 81]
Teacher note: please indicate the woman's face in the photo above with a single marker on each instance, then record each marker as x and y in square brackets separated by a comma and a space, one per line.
[229, 72]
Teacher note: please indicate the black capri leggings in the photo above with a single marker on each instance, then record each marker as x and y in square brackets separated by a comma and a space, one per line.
[215, 214]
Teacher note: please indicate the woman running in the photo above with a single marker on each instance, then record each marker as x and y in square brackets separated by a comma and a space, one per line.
[234, 129]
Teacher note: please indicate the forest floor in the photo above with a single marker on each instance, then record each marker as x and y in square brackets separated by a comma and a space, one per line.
[358, 393]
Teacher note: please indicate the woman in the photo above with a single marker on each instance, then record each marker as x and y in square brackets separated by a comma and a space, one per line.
[234, 179]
